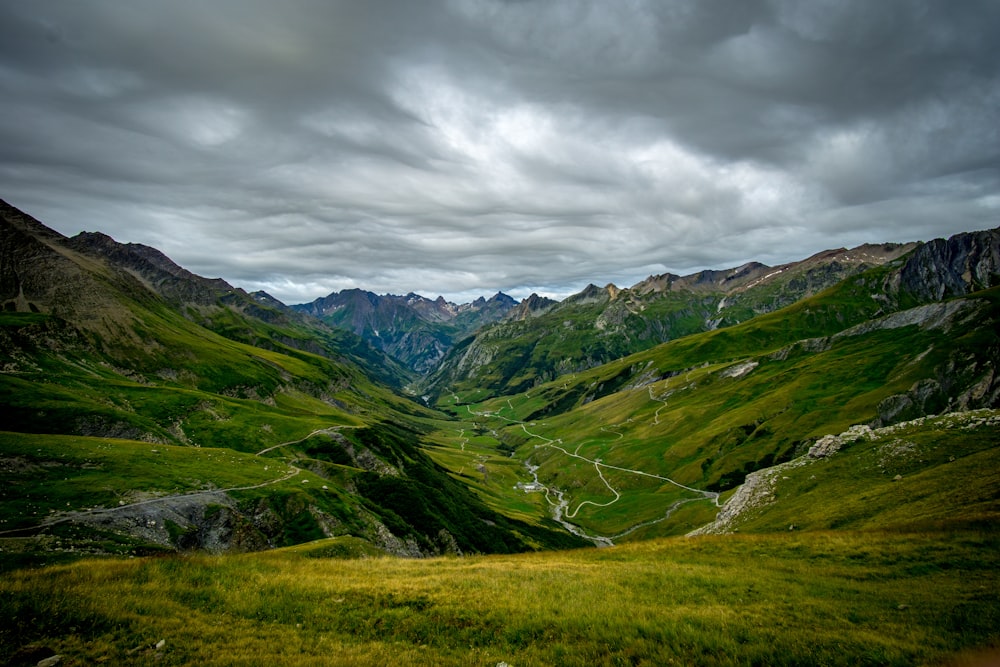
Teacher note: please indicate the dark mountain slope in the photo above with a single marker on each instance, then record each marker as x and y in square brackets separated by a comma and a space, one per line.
[412, 329]
[194, 415]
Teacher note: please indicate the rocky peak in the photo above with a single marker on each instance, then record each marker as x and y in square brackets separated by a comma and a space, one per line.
[156, 271]
[533, 306]
[952, 267]
[590, 294]
[14, 219]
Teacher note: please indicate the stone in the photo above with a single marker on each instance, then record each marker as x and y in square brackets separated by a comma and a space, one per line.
[825, 446]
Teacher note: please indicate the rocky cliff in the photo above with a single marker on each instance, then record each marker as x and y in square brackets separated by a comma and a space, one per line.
[415, 330]
[952, 267]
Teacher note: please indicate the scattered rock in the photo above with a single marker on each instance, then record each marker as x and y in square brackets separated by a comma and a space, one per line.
[897, 478]
[50, 661]
[739, 370]
[825, 446]
[31, 654]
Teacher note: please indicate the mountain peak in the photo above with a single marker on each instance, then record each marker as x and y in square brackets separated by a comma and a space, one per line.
[533, 306]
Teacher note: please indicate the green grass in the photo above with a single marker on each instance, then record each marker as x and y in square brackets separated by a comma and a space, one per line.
[937, 472]
[672, 412]
[45, 474]
[568, 338]
[847, 598]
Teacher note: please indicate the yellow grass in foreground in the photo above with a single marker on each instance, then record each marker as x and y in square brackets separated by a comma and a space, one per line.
[830, 598]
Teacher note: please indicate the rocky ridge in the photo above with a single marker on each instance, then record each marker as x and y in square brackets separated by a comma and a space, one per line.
[761, 487]
[598, 324]
[413, 329]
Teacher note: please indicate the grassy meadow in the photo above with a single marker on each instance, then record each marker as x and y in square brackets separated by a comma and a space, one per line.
[844, 598]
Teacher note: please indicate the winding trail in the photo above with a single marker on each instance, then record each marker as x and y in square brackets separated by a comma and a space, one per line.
[597, 462]
[562, 509]
[74, 515]
[98, 511]
[332, 429]
[660, 399]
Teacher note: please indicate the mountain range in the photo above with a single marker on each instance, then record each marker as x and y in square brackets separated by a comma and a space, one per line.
[414, 330]
[425, 427]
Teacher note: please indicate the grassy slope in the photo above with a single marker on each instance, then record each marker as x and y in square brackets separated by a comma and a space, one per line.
[581, 334]
[803, 598]
[925, 474]
[673, 412]
[173, 386]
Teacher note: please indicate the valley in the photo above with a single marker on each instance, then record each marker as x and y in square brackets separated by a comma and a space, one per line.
[753, 451]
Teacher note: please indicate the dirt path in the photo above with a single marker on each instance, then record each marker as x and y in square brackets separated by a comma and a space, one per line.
[74, 515]
[332, 429]
[207, 494]
[597, 463]
[562, 509]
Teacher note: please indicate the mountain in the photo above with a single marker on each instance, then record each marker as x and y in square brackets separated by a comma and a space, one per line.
[542, 340]
[277, 427]
[146, 408]
[658, 442]
[412, 329]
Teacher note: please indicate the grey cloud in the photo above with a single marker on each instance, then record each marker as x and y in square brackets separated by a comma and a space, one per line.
[465, 146]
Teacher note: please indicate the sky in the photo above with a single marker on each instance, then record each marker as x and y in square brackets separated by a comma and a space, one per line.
[465, 147]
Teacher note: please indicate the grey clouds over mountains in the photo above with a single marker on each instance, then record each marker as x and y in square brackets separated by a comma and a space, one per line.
[458, 147]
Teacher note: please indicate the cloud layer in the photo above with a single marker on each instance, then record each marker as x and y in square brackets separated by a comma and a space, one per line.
[459, 147]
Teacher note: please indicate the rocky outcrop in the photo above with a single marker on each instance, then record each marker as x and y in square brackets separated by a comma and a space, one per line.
[207, 521]
[762, 488]
[533, 306]
[756, 492]
[951, 267]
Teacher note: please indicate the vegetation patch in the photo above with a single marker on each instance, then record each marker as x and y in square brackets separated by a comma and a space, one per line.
[845, 598]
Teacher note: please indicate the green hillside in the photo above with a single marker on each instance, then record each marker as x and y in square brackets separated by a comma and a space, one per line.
[599, 325]
[642, 446]
[123, 372]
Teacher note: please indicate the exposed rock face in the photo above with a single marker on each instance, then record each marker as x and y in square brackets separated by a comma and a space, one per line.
[924, 397]
[756, 492]
[412, 329]
[829, 445]
[953, 267]
[533, 306]
[824, 447]
[209, 521]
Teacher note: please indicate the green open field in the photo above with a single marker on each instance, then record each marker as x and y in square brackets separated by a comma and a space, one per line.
[841, 598]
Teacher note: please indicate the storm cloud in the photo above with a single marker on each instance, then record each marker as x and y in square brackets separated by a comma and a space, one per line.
[460, 147]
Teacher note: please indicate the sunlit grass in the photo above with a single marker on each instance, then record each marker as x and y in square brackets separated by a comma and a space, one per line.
[821, 598]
